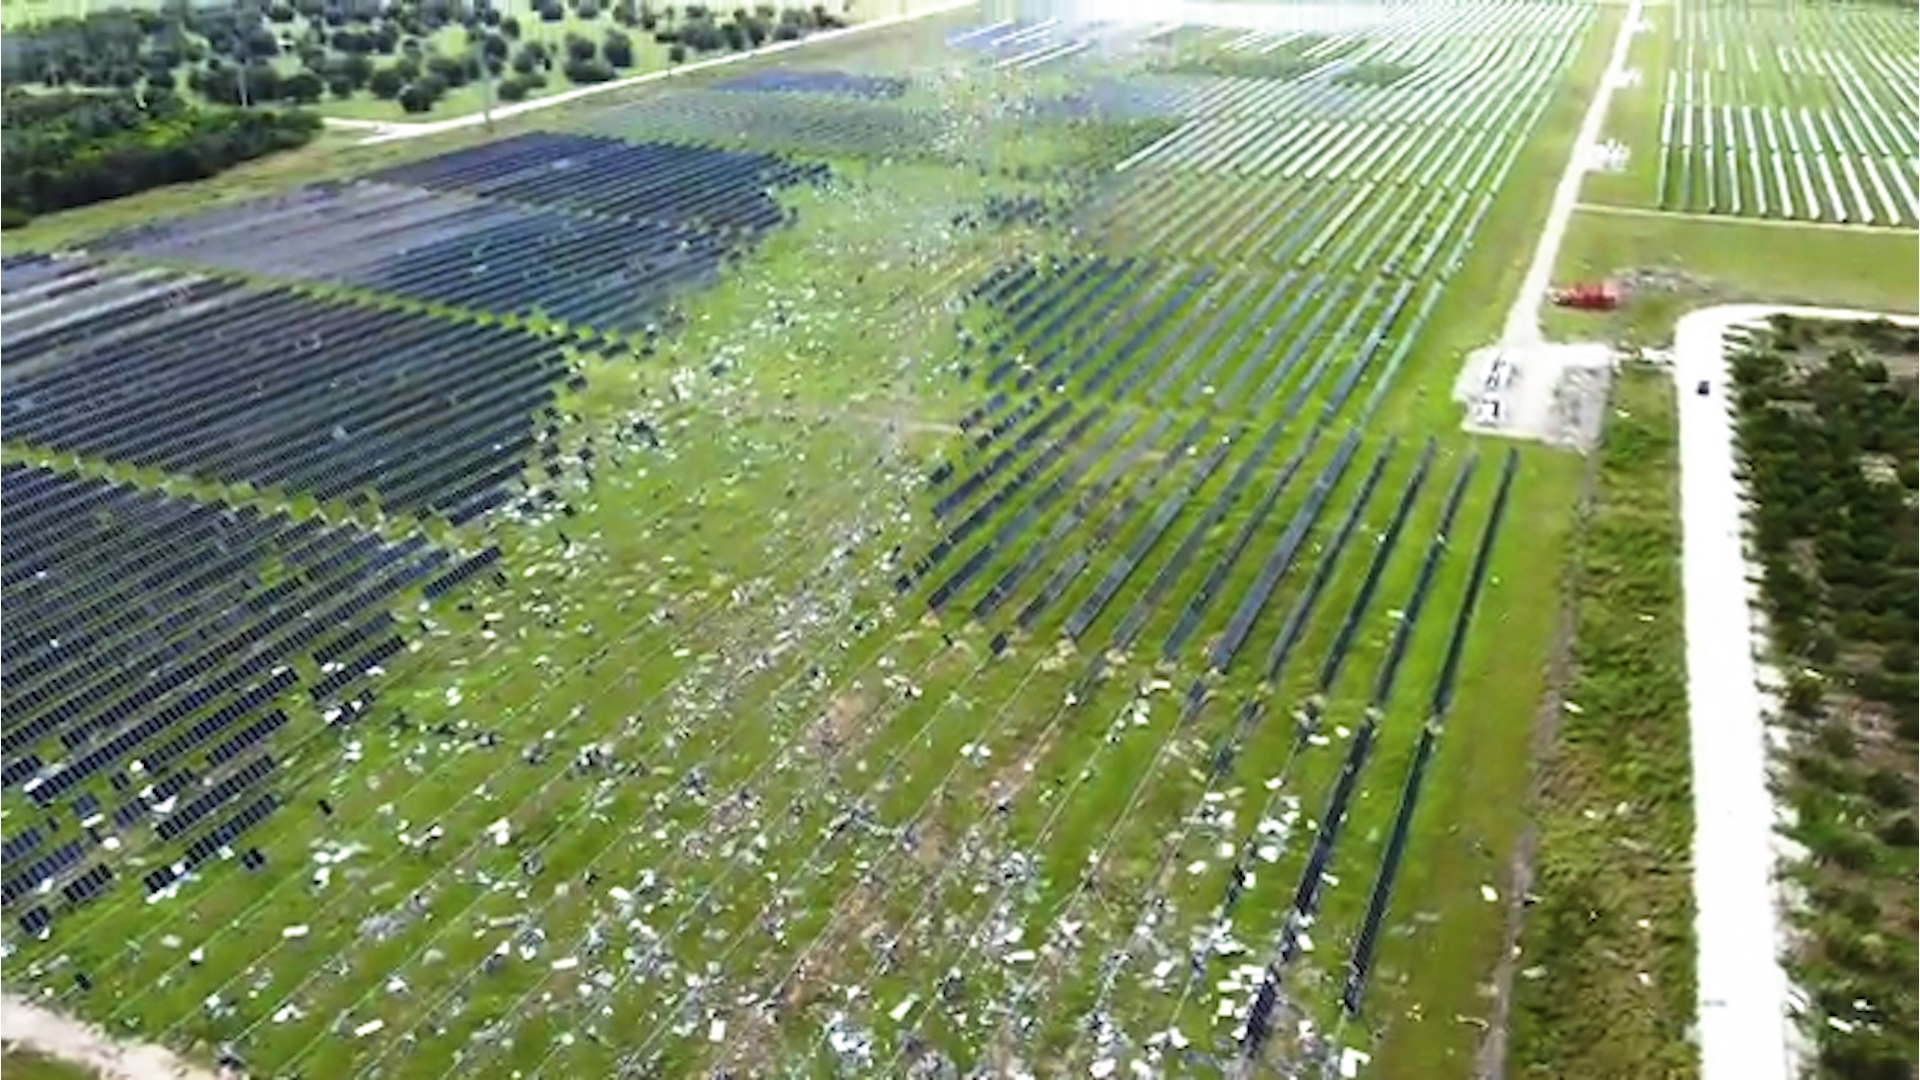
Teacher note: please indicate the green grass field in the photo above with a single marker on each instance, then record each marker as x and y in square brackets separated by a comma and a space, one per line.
[990, 817]
[1687, 263]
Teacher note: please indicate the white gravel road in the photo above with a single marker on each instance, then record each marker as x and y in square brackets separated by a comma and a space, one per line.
[1746, 1026]
[1523, 319]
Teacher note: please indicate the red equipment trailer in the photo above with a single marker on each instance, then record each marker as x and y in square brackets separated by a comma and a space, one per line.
[1588, 296]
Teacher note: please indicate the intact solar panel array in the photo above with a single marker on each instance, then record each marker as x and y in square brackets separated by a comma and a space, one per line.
[279, 390]
[151, 643]
[660, 182]
[583, 231]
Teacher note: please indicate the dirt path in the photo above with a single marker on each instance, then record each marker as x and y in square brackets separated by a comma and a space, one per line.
[1746, 1026]
[51, 1035]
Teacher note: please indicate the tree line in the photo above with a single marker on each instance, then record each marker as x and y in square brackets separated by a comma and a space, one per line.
[65, 149]
[1830, 440]
[237, 55]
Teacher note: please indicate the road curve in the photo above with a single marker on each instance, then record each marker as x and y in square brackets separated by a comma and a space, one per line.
[1746, 1027]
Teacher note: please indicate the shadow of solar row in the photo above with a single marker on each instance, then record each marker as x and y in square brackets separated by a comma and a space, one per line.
[448, 248]
[665, 183]
[284, 391]
[151, 648]
[801, 81]
[796, 123]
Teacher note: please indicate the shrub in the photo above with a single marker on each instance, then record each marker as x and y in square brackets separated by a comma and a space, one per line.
[584, 72]
[65, 150]
[677, 53]
[304, 88]
[1890, 789]
[387, 83]
[1900, 831]
[1803, 696]
[580, 48]
[417, 97]
[450, 70]
[355, 69]
[618, 49]
[1836, 740]
[1849, 849]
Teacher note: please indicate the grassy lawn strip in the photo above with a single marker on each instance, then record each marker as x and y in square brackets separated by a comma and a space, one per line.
[1672, 265]
[1828, 433]
[1607, 986]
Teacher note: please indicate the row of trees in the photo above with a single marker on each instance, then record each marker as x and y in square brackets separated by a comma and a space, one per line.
[1831, 446]
[237, 55]
[64, 150]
